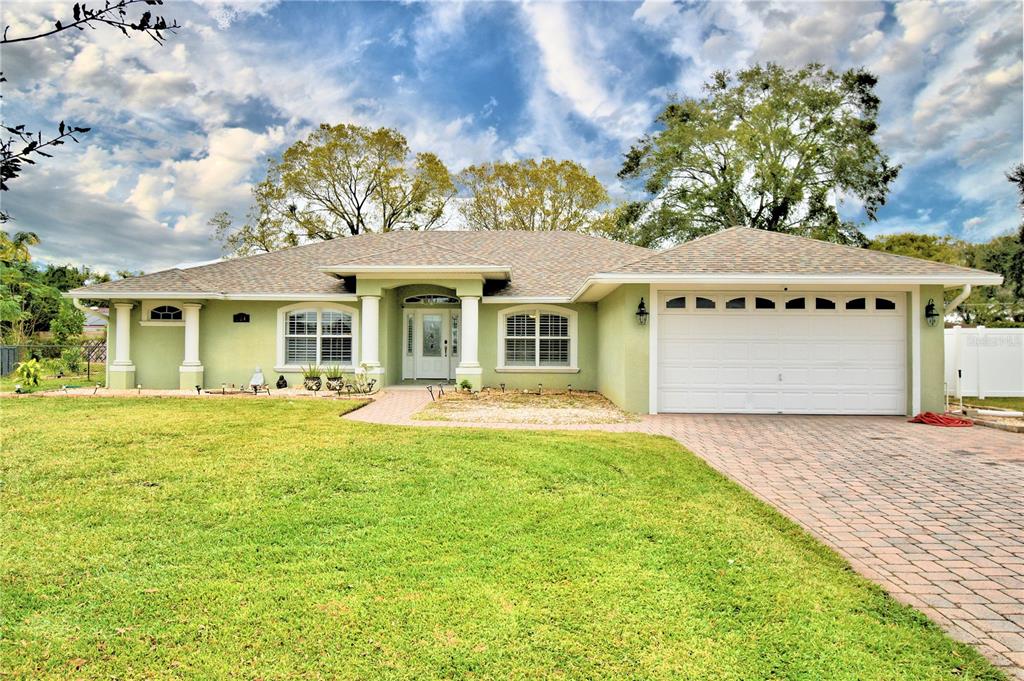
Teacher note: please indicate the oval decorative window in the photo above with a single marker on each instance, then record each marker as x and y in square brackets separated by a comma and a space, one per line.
[165, 313]
[884, 304]
[857, 304]
[705, 303]
[736, 304]
[796, 304]
[240, 318]
[431, 299]
[824, 304]
[676, 303]
[764, 303]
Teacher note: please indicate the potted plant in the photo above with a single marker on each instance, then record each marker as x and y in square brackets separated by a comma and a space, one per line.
[335, 377]
[311, 378]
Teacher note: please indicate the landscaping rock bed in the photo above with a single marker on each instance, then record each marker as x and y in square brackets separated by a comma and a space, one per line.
[550, 408]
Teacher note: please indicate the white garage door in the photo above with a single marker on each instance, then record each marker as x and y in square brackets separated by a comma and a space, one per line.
[804, 353]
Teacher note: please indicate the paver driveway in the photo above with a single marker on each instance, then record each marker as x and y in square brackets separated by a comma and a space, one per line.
[935, 515]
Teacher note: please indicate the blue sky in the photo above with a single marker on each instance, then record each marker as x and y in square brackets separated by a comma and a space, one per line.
[181, 131]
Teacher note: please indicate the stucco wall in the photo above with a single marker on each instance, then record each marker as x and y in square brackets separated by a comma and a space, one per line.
[624, 348]
[586, 348]
[229, 351]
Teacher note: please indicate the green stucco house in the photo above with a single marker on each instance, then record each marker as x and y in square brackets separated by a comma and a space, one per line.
[744, 320]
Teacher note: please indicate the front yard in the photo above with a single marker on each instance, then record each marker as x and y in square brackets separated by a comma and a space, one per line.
[172, 538]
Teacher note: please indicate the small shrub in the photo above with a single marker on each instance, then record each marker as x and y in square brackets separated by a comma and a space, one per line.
[72, 359]
[29, 372]
[52, 367]
[466, 385]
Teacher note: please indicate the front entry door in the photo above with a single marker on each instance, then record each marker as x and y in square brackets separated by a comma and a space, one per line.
[434, 347]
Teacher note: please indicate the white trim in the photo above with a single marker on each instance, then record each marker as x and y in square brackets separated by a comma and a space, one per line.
[189, 368]
[178, 295]
[282, 313]
[950, 280]
[915, 349]
[516, 300]
[121, 368]
[407, 269]
[331, 297]
[159, 322]
[654, 308]
[573, 340]
[535, 370]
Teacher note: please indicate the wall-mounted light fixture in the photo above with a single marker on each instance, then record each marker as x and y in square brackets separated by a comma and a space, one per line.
[931, 315]
[641, 313]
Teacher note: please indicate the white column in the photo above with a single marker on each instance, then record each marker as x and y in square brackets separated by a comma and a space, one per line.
[191, 313]
[370, 322]
[470, 328]
[123, 351]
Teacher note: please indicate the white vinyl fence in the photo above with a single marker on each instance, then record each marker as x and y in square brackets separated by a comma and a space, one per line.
[984, 362]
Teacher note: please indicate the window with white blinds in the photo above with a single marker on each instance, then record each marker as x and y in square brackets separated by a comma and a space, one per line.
[536, 338]
[318, 337]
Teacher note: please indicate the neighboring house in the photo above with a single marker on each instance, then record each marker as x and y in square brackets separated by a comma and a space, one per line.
[95, 323]
[743, 320]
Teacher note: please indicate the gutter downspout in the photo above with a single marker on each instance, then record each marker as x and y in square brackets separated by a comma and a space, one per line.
[92, 310]
[959, 299]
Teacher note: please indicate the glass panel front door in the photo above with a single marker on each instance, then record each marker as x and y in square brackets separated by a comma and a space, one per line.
[431, 335]
[433, 349]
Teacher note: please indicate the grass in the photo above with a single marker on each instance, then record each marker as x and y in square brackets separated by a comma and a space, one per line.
[1001, 402]
[8, 382]
[524, 407]
[164, 538]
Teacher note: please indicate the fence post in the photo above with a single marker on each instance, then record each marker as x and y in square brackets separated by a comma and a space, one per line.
[981, 354]
[958, 359]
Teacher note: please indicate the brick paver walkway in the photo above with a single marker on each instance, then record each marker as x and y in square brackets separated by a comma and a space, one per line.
[934, 515]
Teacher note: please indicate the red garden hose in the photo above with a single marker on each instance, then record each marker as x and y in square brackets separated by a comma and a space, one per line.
[945, 420]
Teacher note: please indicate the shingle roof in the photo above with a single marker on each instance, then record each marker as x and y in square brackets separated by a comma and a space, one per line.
[743, 250]
[422, 254]
[543, 263]
[554, 264]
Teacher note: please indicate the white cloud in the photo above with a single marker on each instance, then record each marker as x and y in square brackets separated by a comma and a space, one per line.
[572, 60]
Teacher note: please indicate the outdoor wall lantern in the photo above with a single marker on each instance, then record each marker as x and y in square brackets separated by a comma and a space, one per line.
[641, 313]
[931, 315]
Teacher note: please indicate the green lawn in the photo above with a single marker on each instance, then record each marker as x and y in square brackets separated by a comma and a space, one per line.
[1001, 402]
[49, 382]
[173, 538]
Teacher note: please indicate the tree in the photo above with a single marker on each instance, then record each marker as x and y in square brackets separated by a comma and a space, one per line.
[68, 324]
[342, 180]
[927, 246]
[22, 146]
[531, 195]
[269, 225]
[16, 250]
[30, 297]
[768, 148]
